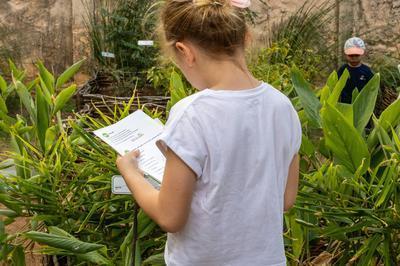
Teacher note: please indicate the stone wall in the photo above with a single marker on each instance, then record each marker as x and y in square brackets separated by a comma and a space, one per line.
[377, 22]
[50, 30]
[54, 30]
[42, 29]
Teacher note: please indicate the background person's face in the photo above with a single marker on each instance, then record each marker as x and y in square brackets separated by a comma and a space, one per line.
[354, 59]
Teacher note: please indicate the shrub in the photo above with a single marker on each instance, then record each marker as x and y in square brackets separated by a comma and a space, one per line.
[349, 197]
[62, 182]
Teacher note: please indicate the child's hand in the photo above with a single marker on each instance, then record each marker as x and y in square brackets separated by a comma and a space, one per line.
[127, 164]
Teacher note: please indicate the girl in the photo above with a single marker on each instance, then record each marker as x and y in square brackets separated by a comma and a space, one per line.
[231, 148]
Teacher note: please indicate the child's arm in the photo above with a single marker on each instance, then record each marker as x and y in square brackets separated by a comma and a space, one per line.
[170, 206]
[292, 183]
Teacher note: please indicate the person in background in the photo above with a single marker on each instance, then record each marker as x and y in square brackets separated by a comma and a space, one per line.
[232, 164]
[360, 74]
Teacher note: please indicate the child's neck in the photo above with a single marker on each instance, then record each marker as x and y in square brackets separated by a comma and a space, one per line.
[228, 75]
[355, 65]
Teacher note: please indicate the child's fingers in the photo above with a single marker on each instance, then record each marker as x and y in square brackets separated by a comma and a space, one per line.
[134, 153]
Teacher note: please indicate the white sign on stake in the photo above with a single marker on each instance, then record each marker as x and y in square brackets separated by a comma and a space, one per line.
[145, 43]
[107, 54]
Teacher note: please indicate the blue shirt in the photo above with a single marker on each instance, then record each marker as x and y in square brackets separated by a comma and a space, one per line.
[359, 77]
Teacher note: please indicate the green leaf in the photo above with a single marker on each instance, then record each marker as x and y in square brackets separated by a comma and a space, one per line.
[46, 92]
[344, 141]
[328, 88]
[62, 242]
[63, 97]
[354, 95]
[176, 88]
[89, 139]
[60, 232]
[390, 117]
[347, 111]
[7, 120]
[42, 118]
[18, 256]
[332, 80]
[8, 213]
[364, 104]
[125, 248]
[47, 77]
[94, 257]
[16, 73]
[3, 106]
[51, 134]
[307, 146]
[335, 95]
[155, 260]
[373, 243]
[3, 86]
[69, 73]
[388, 187]
[307, 97]
[296, 234]
[26, 99]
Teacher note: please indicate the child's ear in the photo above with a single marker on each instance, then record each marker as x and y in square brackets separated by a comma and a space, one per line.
[185, 52]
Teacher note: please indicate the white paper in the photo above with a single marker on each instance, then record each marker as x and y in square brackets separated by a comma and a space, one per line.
[137, 131]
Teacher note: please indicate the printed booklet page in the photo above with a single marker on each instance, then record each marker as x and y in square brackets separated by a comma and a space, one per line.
[137, 131]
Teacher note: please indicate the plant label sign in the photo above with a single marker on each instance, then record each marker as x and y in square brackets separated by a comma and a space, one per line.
[119, 187]
[107, 54]
[145, 43]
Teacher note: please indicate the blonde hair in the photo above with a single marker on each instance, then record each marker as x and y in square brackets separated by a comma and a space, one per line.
[215, 26]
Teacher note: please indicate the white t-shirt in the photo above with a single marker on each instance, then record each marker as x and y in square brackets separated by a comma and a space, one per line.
[240, 145]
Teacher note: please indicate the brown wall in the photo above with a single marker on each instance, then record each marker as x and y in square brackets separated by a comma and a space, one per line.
[53, 30]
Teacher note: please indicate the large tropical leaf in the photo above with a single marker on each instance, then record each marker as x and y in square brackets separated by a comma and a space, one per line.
[69, 73]
[328, 88]
[337, 90]
[47, 77]
[42, 117]
[16, 73]
[364, 105]
[347, 111]
[63, 97]
[26, 99]
[390, 117]
[308, 99]
[176, 88]
[344, 140]
[62, 242]
[3, 86]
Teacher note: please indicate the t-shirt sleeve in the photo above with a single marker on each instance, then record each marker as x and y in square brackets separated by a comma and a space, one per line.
[183, 136]
[296, 132]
